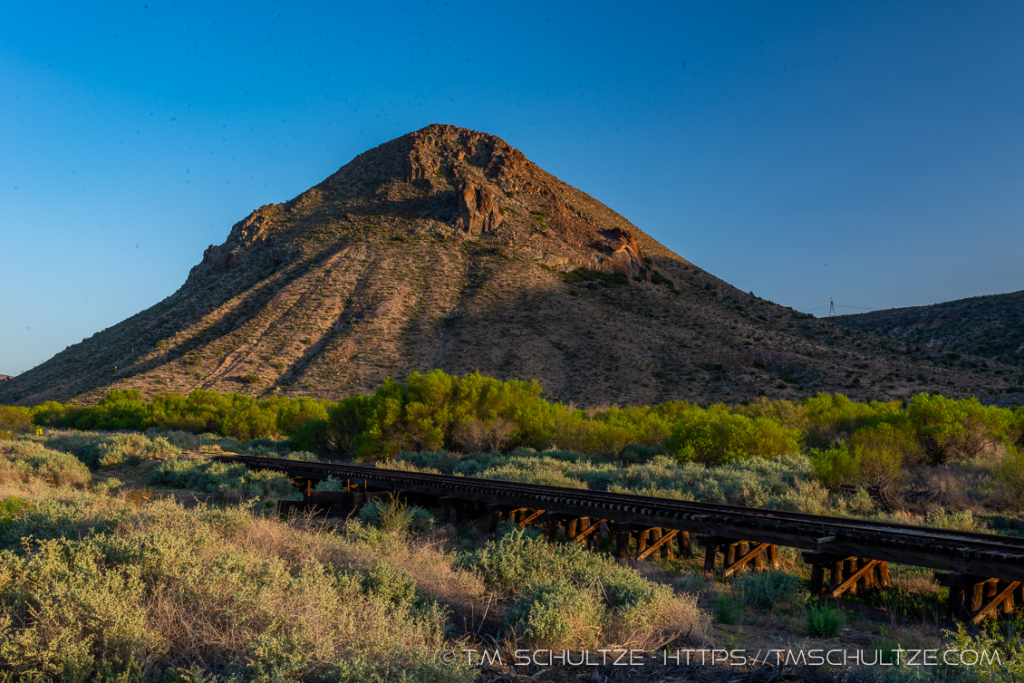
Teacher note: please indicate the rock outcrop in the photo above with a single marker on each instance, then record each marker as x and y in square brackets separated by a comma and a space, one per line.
[623, 254]
[478, 212]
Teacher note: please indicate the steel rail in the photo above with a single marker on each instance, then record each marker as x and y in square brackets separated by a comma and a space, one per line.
[965, 552]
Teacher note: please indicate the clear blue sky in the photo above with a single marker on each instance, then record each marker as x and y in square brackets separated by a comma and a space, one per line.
[760, 140]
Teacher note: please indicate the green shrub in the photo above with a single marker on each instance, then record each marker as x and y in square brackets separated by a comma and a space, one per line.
[716, 436]
[948, 429]
[394, 516]
[881, 451]
[889, 645]
[250, 423]
[728, 607]
[765, 590]
[824, 621]
[1009, 474]
[15, 420]
[835, 466]
[391, 584]
[11, 507]
[312, 436]
[295, 414]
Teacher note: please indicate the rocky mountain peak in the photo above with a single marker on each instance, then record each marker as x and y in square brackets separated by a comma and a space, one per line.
[447, 248]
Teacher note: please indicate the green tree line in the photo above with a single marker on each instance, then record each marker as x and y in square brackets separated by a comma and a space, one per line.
[846, 440]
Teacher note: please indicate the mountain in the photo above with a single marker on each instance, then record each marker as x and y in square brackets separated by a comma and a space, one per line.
[991, 327]
[447, 248]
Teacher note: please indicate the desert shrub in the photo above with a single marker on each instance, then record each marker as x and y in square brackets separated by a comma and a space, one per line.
[957, 521]
[26, 461]
[83, 445]
[185, 440]
[636, 453]
[755, 482]
[633, 608]
[394, 516]
[119, 449]
[212, 476]
[125, 601]
[441, 461]
[765, 590]
[558, 614]
[391, 584]
[543, 471]
[590, 275]
[823, 620]
[109, 485]
[111, 450]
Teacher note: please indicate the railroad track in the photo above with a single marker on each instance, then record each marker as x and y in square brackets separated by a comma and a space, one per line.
[985, 556]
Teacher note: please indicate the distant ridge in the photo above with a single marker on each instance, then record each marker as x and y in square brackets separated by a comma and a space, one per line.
[988, 326]
[447, 248]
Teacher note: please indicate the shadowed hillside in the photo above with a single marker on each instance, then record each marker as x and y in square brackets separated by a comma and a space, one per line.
[447, 248]
[987, 326]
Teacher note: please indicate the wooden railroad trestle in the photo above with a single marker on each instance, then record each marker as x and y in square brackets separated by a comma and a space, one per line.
[738, 555]
[636, 542]
[852, 575]
[972, 597]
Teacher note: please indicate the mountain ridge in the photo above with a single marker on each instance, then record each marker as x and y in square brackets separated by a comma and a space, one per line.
[989, 326]
[448, 248]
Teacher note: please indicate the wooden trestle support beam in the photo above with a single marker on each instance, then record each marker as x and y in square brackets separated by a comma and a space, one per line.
[631, 542]
[973, 598]
[853, 575]
[738, 555]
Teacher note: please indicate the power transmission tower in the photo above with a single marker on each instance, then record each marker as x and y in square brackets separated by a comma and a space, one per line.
[831, 308]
